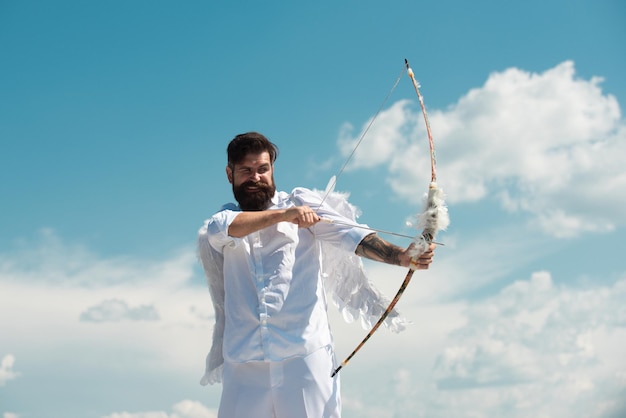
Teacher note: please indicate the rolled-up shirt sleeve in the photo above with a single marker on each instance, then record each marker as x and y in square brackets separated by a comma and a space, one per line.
[218, 225]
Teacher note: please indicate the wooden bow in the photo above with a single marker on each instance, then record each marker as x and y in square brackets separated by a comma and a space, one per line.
[432, 219]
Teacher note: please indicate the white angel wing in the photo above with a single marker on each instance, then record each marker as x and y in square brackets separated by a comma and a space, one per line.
[212, 262]
[345, 278]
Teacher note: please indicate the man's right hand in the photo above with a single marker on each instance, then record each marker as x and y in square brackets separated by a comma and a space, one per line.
[303, 216]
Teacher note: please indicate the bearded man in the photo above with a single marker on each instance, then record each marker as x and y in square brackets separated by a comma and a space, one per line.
[272, 344]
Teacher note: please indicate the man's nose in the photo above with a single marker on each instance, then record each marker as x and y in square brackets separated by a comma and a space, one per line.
[256, 176]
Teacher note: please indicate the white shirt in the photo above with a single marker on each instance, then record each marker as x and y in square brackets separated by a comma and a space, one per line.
[275, 306]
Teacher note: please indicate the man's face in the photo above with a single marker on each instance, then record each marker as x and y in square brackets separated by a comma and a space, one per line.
[253, 181]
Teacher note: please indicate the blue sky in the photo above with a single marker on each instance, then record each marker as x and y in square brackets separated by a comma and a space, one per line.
[114, 118]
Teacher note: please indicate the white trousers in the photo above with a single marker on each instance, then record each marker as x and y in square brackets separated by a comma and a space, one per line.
[294, 388]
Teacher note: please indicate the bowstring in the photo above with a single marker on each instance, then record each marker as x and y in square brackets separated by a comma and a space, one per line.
[333, 182]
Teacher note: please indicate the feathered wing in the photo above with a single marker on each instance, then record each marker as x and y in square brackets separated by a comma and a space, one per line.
[345, 279]
[212, 262]
[352, 293]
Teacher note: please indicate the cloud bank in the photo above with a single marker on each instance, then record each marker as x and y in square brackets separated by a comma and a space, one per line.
[538, 346]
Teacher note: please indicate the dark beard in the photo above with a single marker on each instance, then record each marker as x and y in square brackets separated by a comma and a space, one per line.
[259, 200]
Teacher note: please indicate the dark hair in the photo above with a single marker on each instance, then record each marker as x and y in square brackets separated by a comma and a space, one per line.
[250, 143]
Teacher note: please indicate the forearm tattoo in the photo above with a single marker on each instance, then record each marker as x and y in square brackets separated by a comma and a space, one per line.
[377, 249]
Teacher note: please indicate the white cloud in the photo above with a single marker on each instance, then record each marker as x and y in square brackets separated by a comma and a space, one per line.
[183, 409]
[6, 369]
[151, 414]
[548, 144]
[540, 347]
[390, 129]
[118, 310]
[191, 409]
